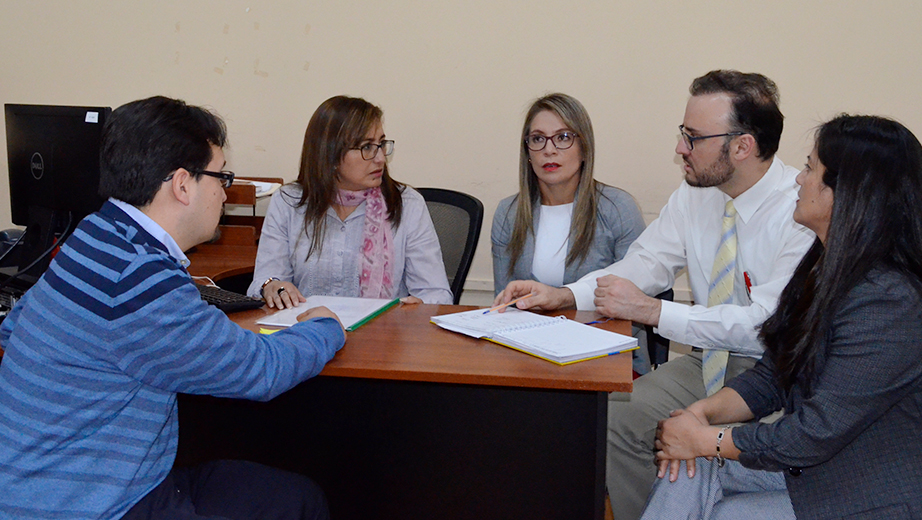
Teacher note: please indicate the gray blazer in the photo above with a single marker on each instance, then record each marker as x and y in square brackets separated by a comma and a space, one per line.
[618, 224]
[852, 448]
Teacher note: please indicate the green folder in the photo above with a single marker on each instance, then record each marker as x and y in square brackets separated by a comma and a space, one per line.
[373, 315]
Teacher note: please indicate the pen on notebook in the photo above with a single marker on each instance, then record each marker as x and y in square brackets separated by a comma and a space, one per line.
[503, 306]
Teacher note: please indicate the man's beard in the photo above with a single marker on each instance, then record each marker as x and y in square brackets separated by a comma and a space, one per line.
[217, 229]
[715, 174]
[216, 236]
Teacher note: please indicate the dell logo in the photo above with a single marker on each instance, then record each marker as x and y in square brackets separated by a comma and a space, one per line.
[37, 165]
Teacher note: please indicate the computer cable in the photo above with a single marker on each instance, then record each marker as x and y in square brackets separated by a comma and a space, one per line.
[70, 220]
[12, 247]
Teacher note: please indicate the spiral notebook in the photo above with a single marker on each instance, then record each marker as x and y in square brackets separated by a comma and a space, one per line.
[555, 339]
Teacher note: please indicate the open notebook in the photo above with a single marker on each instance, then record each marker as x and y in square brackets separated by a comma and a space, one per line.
[352, 312]
[555, 339]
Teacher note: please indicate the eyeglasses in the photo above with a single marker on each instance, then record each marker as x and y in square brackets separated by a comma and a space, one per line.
[690, 140]
[370, 150]
[227, 177]
[562, 141]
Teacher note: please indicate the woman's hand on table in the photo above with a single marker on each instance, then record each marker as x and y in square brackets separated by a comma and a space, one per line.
[282, 295]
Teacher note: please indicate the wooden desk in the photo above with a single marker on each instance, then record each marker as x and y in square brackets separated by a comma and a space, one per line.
[221, 261]
[410, 421]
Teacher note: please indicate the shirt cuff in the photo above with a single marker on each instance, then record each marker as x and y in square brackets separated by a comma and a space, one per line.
[673, 321]
[583, 294]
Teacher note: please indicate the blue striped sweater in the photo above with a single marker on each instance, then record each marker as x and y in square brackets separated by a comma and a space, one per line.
[94, 356]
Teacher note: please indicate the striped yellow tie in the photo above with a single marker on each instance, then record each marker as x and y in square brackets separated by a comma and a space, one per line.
[714, 362]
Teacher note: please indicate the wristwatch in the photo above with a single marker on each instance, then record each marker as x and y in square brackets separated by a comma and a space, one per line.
[267, 282]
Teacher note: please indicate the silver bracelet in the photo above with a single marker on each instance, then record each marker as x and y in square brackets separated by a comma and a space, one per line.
[720, 437]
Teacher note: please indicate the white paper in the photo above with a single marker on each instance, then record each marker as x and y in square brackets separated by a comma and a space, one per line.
[349, 310]
[262, 188]
[553, 338]
[477, 324]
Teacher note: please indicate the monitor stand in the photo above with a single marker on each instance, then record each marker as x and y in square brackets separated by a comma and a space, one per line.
[43, 231]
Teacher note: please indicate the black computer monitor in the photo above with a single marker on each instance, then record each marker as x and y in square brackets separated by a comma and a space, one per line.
[53, 154]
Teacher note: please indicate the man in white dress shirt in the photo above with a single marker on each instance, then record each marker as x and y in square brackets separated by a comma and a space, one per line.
[729, 137]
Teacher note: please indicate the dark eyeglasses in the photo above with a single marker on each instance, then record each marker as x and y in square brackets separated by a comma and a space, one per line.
[690, 140]
[227, 177]
[562, 141]
[370, 150]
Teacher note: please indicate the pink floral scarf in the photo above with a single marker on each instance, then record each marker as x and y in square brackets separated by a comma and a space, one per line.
[377, 243]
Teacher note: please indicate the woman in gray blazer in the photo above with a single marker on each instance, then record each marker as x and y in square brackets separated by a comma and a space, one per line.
[563, 223]
[843, 357]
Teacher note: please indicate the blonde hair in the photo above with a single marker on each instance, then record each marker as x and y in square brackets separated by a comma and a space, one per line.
[582, 225]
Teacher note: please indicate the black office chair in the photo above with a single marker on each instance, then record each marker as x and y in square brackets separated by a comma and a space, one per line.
[658, 346]
[457, 218]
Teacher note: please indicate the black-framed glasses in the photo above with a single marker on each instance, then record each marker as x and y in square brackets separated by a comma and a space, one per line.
[370, 150]
[562, 141]
[227, 177]
[690, 140]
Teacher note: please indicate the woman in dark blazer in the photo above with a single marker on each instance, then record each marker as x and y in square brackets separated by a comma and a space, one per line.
[843, 358]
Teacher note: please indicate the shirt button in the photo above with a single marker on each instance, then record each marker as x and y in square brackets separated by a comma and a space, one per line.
[795, 472]
[343, 228]
[340, 253]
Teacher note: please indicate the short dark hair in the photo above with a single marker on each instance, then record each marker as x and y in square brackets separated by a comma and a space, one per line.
[146, 140]
[755, 105]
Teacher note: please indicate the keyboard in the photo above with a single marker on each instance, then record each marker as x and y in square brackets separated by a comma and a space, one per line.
[228, 301]
[9, 296]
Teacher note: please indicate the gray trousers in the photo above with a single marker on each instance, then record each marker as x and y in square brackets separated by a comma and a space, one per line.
[630, 469]
[728, 493]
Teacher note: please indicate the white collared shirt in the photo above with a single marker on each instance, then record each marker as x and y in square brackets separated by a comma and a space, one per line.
[284, 243]
[687, 235]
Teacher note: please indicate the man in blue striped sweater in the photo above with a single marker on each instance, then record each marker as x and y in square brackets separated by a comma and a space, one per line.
[97, 350]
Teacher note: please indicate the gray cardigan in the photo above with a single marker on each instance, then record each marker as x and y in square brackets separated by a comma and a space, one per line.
[618, 224]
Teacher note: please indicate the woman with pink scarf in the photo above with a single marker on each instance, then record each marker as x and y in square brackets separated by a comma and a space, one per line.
[345, 227]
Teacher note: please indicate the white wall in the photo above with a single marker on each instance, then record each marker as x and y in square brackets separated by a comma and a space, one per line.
[454, 78]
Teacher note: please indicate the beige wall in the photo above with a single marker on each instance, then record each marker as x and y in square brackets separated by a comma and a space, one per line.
[454, 78]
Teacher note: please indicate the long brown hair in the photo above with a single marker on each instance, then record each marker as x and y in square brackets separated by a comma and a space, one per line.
[338, 125]
[582, 226]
